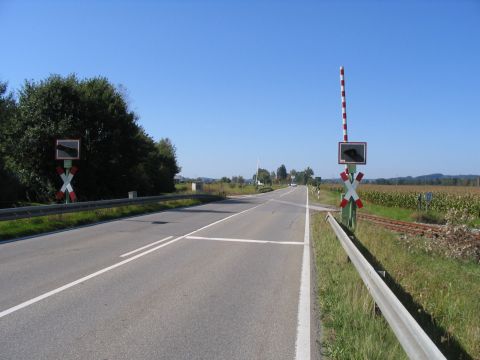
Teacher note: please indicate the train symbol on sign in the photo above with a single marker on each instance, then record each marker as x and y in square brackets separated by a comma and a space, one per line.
[352, 153]
[67, 149]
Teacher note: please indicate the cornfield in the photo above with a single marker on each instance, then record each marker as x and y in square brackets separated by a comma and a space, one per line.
[406, 196]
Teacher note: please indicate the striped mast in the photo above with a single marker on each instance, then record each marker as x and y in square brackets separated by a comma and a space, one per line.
[344, 108]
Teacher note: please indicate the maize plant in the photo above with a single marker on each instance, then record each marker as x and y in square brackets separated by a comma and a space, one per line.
[462, 198]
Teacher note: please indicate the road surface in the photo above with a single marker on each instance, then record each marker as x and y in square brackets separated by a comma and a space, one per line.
[225, 280]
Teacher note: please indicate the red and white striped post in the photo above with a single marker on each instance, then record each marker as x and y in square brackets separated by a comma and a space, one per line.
[344, 103]
[344, 108]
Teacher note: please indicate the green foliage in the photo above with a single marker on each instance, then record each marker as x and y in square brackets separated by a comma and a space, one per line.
[444, 198]
[439, 292]
[350, 328]
[303, 177]
[263, 176]
[117, 156]
[238, 180]
[265, 189]
[167, 165]
[282, 173]
[10, 188]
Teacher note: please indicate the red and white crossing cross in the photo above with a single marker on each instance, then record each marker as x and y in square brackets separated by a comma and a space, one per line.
[351, 190]
[67, 179]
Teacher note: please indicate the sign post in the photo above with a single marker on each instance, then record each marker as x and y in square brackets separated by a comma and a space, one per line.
[428, 199]
[350, 154]
[67, 150]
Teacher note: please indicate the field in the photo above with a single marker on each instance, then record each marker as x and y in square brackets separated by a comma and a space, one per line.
[445, 198]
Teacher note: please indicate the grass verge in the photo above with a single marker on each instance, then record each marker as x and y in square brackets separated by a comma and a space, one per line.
[441, 294]
[324, 197]
[37, 225]
[351, 330]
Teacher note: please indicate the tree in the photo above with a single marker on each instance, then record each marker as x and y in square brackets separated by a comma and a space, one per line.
[225, 180]
[273, 176]
[263, 176]
[10, 188]
[168, 165]
[241, 180]
[300, 177]
[303, 177]
[282, 173]
[117, 156]
[308, 175]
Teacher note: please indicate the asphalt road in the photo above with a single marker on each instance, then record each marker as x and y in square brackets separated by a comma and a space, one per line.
[225, 280]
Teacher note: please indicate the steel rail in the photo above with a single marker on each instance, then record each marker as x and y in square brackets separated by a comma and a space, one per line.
[411, 336]
[43, 210]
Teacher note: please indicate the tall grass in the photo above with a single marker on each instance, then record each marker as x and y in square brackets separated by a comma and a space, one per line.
[350, 328]
[441, 293]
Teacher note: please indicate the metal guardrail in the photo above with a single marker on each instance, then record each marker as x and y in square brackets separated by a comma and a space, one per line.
[42, 210]
[411, 336]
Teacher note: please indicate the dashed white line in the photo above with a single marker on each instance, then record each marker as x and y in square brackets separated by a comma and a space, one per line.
[99, 272]
[245, 240]
[83, 279]
[287, 193]
[146, 246]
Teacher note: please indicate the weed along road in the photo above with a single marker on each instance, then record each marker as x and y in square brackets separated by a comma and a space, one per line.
[225, 280]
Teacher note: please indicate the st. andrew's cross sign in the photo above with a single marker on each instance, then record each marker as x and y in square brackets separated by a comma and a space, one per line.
[67, 186]
[351, 189]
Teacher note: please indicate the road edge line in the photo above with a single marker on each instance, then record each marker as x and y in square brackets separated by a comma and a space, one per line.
[302, 344]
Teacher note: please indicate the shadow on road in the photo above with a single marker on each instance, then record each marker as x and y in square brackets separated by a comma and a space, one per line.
[202, 211]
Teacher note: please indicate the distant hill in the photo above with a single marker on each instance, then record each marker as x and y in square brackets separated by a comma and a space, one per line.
[430, 179]
[436, 176]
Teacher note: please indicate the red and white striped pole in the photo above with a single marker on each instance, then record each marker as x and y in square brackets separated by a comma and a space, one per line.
[344, 108]
[344, 103]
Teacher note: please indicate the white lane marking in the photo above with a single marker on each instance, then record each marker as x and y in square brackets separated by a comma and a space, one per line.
[99, 272]
[288, 192]
[246, 240]
[302, 346]
[146, 246]
[83, 279]
[311, 207]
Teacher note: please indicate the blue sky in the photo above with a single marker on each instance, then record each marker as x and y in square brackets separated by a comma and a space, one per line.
[233, 81]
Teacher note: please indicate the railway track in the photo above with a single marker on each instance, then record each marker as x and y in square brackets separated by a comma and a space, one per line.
[463, 246]
[428, 230]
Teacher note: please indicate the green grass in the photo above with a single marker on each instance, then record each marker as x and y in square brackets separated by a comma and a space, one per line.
[324, 197]
[37, 225]
[441, 293]
[351, 330]
[388, 212]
